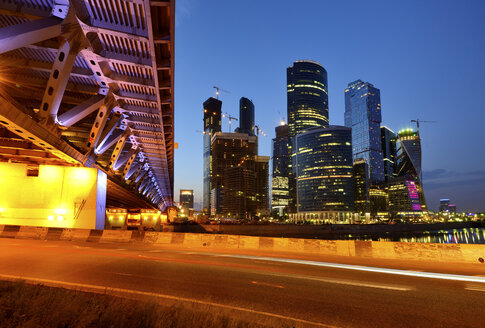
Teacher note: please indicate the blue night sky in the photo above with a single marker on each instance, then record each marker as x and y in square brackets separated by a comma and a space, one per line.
[426, 57]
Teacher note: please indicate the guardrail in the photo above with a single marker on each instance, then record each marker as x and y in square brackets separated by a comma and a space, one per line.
[461, 253]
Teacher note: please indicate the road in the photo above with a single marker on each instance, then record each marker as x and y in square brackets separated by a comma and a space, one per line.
[315, 293]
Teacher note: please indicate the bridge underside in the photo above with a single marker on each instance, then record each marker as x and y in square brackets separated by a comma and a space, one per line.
[90, 83]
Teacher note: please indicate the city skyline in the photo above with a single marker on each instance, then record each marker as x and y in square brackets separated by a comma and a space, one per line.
[425, 54]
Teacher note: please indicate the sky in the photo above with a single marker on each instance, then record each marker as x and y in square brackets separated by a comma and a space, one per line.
[426, 57]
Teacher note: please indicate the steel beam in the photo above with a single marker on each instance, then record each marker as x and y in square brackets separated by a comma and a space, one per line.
[127, 158]
[98, 126]
[114, 122]
[130, 169]
[79, 112]
[58, 79]
[109, 141]
[120, 144]
[20, 35]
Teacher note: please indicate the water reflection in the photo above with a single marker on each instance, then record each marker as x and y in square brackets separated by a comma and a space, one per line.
[455, 236]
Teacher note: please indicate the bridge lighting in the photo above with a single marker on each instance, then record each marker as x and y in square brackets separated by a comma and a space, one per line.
[60, 218]
[50, 217]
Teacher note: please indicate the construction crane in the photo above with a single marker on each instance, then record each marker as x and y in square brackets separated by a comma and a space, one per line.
[218, 90]
[230, 117]
[259, 130]
[417, 121]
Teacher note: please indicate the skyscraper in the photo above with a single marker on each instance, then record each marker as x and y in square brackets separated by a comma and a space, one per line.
[388, 144]
[307, 96]
[212, 124]
[228, 150]
[186, 198]
[281, 165]
[246, 116]
[363, 115]
[322, 165]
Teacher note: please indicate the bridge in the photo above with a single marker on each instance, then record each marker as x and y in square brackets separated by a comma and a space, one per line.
[89, 83]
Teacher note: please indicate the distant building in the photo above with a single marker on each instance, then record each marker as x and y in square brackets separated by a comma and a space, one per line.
[246, 116]
[281, 164]
[186, 198]
[239, 200]
[322, 165]
[363, 115]
[388, 144]
[212, 124]
[261, 170]
[444, 203]
[446, 207]
[404, 197]
[361, 187]
[228, 151]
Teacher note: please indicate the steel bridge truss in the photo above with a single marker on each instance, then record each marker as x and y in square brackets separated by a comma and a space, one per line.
[90, 82]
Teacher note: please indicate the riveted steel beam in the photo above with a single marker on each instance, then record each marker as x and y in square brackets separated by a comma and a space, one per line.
[120, 144]
[128, 158]
[82, 110]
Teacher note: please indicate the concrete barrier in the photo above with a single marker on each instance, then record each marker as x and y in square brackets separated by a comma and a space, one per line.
[118, 236]
[26, 232]
[459, 253]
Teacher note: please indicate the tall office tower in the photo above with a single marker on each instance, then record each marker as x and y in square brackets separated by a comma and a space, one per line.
[361, 187]
[406, 195]
[322, 165]
[307, 102]
[228, 150]
[281, 164]
[388, 145]
[246, 116]
[307, 96]
[187, 198]
[212, 124]
[363, 115]
[261, 169]
[239, 201]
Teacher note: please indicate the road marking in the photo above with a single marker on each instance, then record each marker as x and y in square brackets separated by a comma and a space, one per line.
[410, 273]
[113, 291]
[155, 251]
[121, 249]
[475, 287]
[266, 284]
[350, 282]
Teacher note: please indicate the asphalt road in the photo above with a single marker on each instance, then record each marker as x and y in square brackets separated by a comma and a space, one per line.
[308, 291]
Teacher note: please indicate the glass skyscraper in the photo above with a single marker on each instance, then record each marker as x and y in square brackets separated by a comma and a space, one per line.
[307, 95]
[363, 115]
[281, 165]
[212, 124]
[388, 144]
[246, 116]
[322, 165]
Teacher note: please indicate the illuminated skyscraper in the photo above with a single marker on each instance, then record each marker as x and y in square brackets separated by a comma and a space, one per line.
[212, 124]
[405, 190]
[363, 115]
[307, 96]
[246, 116]
[187, 198]
[388, 144]
[281, 165]
[322, 165]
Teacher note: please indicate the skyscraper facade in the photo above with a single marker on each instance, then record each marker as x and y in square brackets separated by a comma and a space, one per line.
[322, 165]
[246, 116]
[307, 95]
[307, 102]
[212, 124]
[186, 198]
[363, 115]
[388, 145]
[280, 169]
[228, 150]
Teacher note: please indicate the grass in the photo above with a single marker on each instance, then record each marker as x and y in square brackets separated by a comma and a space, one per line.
[32, 306]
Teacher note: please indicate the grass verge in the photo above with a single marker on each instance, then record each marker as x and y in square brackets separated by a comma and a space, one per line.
[25, 305]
